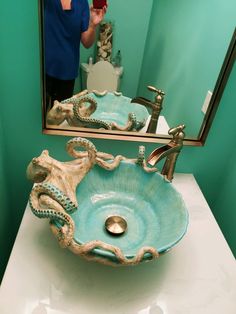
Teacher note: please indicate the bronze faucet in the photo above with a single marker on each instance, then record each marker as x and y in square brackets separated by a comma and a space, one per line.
[170, 151]
[155, 106]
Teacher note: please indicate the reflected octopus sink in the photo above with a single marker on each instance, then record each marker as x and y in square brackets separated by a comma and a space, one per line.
[116, 108]
[81, 196]
[110, 111]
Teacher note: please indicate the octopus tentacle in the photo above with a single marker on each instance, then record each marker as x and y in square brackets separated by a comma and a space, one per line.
[104, 155]
[87, 121]
[142, 162]
[130, 125]
[92, 154]
[79, 102]
[81, 142]
[59, 213]
[85, 250]
[114, 163]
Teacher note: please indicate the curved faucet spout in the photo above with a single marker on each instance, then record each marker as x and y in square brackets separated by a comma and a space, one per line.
[143, 101]
[170, 151]
[160, 153]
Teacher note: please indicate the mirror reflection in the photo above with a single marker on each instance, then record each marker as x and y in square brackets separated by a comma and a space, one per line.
[144, 55]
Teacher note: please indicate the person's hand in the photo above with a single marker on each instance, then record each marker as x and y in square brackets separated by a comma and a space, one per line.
[97, 15]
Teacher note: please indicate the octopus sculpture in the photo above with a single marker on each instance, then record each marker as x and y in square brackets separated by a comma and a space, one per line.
[53, 195]
[77, 112]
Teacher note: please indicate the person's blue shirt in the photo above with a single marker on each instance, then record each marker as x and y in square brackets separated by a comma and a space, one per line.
[62, 34]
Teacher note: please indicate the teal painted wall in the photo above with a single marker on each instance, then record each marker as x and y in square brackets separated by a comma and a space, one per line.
[6, 237]
[184, 53]
[224, 203]
[22, 139]
[214, 164]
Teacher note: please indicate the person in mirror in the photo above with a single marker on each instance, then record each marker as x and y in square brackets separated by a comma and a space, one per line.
[67, 23]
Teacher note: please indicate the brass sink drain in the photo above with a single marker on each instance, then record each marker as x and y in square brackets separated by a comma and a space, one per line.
[116, 225]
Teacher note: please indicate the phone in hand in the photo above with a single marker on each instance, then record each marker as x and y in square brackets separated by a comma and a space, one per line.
[99, 4]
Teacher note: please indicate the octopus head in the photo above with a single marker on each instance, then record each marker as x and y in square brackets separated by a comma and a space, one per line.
[58, 113]
[39, 168]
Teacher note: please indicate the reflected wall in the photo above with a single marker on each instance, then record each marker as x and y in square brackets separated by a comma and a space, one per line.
[187, 46]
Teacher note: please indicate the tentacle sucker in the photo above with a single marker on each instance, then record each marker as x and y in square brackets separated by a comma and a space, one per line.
[81, 142]
[86, 120]
[81, 108]
[56, 211]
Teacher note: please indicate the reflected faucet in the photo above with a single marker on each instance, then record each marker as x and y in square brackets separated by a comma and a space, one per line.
[170, 151]
[155, 106]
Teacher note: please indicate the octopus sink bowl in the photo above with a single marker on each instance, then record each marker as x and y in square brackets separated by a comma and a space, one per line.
[110, 111]
[112, 210]
[117, 108]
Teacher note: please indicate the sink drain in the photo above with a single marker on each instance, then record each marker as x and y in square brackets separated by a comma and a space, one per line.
[116, 225]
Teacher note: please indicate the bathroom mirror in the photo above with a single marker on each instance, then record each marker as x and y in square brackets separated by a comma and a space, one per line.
[161, 46]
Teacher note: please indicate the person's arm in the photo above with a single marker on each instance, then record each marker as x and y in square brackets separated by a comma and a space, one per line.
[96, 16]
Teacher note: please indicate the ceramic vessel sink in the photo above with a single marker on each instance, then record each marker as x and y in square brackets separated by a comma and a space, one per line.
[109, 209]
[154, 211]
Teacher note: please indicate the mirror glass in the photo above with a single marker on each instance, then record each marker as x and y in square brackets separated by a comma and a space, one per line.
[178, 47]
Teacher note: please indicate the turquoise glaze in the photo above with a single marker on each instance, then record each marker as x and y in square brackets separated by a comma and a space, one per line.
[112, 108]
[155, 212]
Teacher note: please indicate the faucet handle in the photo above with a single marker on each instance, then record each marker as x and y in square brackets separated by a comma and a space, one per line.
[176, 130]
[178, 134]
[155, 90]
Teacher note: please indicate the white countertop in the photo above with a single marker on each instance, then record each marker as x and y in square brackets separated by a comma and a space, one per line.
[162, 126]
[198, 276]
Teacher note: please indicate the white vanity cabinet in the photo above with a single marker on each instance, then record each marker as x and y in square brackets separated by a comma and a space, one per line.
[198, 276]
